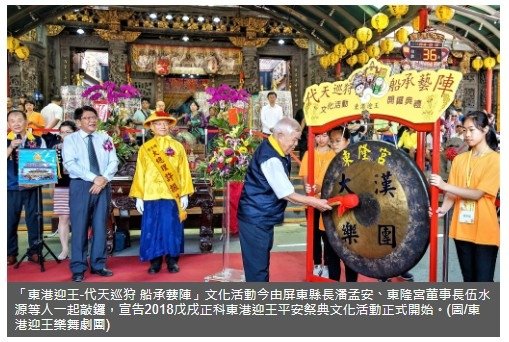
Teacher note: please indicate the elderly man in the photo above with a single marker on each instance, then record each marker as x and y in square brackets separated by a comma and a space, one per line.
[267, 190]
[91, 160]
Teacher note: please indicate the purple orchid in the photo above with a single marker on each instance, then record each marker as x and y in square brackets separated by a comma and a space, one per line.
[170, 152]
[108, 145]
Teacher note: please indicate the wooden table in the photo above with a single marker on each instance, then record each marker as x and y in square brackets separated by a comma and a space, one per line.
[203, 197]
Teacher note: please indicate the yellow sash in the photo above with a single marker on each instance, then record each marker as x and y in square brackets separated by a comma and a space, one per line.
[170, 175]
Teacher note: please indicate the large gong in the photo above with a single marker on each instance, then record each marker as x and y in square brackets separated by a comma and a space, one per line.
[388, 232]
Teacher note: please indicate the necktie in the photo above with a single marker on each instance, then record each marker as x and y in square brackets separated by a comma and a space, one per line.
[92, 157]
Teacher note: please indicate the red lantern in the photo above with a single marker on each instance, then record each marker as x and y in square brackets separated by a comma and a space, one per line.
[162, 67]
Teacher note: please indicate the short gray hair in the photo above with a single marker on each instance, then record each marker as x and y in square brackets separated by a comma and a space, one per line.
[287, 125]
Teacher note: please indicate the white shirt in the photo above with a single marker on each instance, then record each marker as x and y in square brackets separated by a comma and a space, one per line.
[75, 155]
[274, 172]
[269, 116]
[51, 112]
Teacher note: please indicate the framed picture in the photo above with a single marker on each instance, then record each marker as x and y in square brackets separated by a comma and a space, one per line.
[37, 166]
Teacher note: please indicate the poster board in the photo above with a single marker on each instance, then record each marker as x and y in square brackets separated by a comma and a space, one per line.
[37, 166]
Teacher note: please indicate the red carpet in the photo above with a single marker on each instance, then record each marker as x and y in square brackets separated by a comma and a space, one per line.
[285, 267]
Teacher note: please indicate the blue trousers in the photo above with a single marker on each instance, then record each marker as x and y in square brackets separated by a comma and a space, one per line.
[477, 262]
[88, 210]
[16, 200]
[256, 242]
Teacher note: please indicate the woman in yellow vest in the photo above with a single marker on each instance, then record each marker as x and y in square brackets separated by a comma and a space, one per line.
[161, 185]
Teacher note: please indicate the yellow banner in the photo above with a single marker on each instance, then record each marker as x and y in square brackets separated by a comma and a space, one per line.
[419, 97]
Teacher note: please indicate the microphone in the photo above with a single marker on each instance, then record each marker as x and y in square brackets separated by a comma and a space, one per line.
[18, 136]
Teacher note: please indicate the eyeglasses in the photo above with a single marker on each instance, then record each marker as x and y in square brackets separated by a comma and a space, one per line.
[90, 118]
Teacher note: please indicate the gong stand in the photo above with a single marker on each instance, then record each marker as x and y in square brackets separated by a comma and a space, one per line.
[407, 250]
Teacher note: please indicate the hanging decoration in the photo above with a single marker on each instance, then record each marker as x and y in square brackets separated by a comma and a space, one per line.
[444, 14]
[380, 21]
[498, 58]
[477, 63]
[340, 50]
[416, 24]
[489, 63]
[12, 44]
[364, 35]
[333, 58]
[398, 10]
[362, 58]
[14, 47]
[351, 44]
[373, 51]
[324, 61]
[402, 36]
[386, 45]
[22, 52]
[352, 60]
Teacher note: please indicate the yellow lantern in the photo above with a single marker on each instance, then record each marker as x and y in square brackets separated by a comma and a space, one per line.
[22, 52]
[364, 35]
[324, 61]
[477, 63]
[398, 10]
[333, 58]
[416, 23]
[402, 35]
[12, 44]
[498, 58]
[380, 21]
[489, 63]
[373, 51]
[444, 14]
[351, 44]
[352, 60]
[386, 45]
[362, 58]
[340, 50]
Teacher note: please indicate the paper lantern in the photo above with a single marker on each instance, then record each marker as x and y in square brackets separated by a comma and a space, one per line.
[351, 44]
[373, 51]
[324, 61]
[402, 36]
[364, 35]
[386, 45]
[340, 50]
[444, 14]
[398, 10]
[489, 63]
[333, 58]
[22, 52]
[477, 63]
[362, 58]
[498, 58]
[380, 21]
[352, 60]
[12, 44]
[416, 23]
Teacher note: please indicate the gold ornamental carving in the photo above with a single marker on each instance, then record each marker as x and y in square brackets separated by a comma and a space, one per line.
[54, 30]
[30, 36]
[112, 18]
[245, 42]
[126, 36]
[303, 43]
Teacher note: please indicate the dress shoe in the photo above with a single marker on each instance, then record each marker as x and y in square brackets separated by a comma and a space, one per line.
[171, 263]
[11, 260]
[78, 277]
[154, 268]
[103, 273]
[174, 268]
[33, 258]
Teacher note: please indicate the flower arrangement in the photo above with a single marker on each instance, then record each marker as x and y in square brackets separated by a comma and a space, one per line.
[234, 145]
[110, 92]
[231, 156]
[113, 126]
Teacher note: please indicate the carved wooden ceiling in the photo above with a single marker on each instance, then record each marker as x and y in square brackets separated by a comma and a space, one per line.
[478, 25]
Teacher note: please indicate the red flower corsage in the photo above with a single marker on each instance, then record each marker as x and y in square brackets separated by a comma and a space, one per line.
[170, 152]
[108, 145]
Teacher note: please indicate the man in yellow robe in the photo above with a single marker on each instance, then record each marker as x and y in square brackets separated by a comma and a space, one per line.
[161, 185]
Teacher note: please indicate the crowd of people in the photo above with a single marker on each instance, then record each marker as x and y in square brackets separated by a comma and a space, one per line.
[162, 183]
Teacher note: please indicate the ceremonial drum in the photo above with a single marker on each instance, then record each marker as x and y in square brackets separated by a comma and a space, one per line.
[387, 233]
